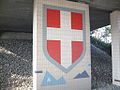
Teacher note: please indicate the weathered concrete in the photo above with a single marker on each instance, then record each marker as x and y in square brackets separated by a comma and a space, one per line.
[16, 35]
[109, 5]
[16, 15]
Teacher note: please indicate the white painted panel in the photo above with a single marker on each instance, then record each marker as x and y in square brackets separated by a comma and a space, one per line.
[61, 34]
[43, 69]
[66, 58]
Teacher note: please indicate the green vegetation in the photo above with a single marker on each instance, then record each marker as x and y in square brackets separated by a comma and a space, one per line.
[101, 38]
[102, 45]
[107, 33]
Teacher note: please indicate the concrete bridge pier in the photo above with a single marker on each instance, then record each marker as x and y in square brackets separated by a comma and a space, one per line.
[61, 46]
[115, 22]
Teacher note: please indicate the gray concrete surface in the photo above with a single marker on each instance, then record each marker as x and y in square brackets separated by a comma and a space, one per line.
[17, 15]
[15, 35]
[108, 5]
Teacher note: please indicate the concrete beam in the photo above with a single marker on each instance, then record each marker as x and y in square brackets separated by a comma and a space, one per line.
[16, 35]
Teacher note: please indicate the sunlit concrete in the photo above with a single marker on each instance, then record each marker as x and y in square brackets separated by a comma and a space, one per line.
[115, 22]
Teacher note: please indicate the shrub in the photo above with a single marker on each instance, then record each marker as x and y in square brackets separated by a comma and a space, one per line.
[102, 45]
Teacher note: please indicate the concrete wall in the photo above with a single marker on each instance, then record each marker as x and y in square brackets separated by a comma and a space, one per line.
[48, 74]
[115, 22]
[15, 35]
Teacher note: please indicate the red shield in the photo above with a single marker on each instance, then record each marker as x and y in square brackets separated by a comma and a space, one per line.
[64, 36]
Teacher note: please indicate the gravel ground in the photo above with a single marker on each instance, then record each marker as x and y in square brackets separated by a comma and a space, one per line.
[109, 87]
[101, 70]
[16, 66]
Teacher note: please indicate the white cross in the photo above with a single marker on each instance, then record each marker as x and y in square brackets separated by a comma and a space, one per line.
[66, 35]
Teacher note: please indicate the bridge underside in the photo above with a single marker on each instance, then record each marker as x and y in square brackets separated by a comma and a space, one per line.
[17, 15]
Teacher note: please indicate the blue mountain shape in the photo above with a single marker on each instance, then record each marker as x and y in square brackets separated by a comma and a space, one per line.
[89, 65]
[82, 75]
[50, 80]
